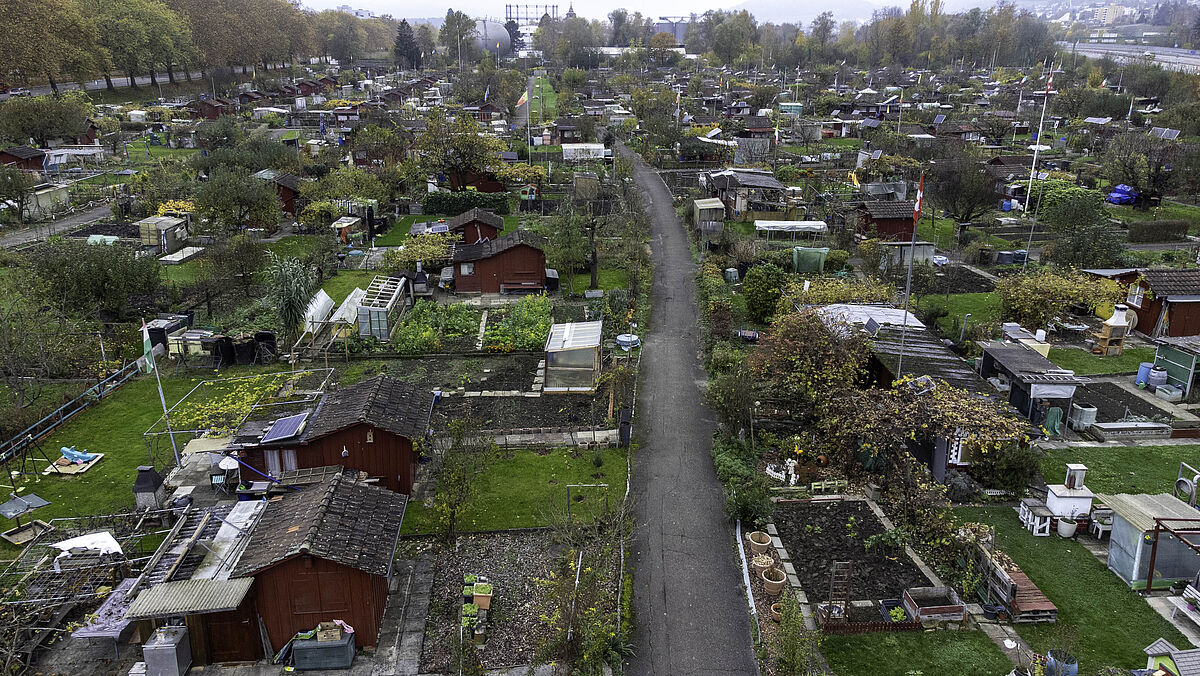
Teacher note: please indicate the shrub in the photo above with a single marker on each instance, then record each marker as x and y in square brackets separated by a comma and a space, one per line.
[1011, 467]
[762, 288]
[455, 203]
[1158, 231]
[836, 260]
[749, 499]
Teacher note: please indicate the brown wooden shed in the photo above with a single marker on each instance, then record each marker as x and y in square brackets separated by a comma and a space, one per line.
[370, 426]
[476, 225]
[510, 263]
[324, 553]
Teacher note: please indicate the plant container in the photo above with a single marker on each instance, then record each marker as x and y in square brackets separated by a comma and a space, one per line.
[483, 596]
[773, 580]
[1061, 663]
[760, 542]
[885, 608]
[777, 612]
[761, 562]
[1066, 528]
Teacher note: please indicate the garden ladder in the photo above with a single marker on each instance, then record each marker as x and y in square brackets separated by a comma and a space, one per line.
[839, 591]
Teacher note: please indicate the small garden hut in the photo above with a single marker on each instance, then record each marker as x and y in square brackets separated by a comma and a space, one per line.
[1153, 530]
[573, 357]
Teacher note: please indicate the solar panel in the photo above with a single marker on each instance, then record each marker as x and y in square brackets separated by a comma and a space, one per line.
[285, 428]
[440, 227]
[939, 119]
[836, 112]
[876, 154]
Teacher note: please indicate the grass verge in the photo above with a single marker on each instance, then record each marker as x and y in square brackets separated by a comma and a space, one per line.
[937, 652]
[1085, 363]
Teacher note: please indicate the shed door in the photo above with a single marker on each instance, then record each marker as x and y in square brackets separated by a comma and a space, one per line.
[234, 637]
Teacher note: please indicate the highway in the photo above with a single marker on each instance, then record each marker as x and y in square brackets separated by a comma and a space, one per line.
[1171, 58]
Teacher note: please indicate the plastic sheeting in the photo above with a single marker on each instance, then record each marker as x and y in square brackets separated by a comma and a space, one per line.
[806, 259]
[319, 309]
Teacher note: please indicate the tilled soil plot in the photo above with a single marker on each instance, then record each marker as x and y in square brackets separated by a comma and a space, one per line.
[816, 534]
[504, 413]
[1112, 402]
[511, 562]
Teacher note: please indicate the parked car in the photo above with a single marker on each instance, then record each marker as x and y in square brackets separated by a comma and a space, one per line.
[19, 91]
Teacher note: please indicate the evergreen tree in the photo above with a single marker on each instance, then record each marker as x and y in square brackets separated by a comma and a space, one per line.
[406, 52]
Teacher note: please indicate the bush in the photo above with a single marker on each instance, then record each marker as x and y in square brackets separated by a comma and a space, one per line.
[836, 260]
[1010, 468]
[455, 203]
[749, 500]
[762, 289]
[1158, 231]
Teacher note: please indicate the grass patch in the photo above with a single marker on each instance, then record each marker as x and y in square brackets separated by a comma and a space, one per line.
[340, 285]
[293, 246]
[1114, 624]
[938, 652]
[545, 107]
[521, 491]
[1085, 363]
[607, 278]
[139, 157]
[183, 274]
[113, 427]
[1123, 469]
[1168, 211]
[984, 308]
[396, 235]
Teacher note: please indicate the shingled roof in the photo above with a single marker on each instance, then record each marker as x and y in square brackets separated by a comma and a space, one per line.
[383, 402]
[1173, 282]
[23, 152]
[338, 520]
[481, 215]
[485, 250]
[889, 210]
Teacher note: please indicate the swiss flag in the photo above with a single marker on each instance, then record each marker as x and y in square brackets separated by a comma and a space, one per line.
[920, 194]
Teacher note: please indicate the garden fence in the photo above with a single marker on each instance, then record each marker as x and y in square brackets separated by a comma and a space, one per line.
[21, 441]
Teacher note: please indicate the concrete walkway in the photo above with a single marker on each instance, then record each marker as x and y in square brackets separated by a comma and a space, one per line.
[691, 610]
[44, 230]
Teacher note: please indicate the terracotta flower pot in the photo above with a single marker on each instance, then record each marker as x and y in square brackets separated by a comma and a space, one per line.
[777, 611]
[760, 542]
[761, 563]
[773, 580]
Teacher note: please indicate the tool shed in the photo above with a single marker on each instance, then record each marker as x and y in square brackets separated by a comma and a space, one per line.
[1158, 533]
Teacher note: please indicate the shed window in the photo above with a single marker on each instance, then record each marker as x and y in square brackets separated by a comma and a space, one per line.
[466, 268]
[1136, 294]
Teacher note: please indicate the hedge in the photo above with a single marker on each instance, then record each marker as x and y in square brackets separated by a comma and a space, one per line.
[1158, 231]
[455, 203]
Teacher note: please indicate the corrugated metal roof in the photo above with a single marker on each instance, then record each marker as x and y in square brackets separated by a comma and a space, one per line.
[710, 203]
[1140, 510]
[188, 597]
[574, 336]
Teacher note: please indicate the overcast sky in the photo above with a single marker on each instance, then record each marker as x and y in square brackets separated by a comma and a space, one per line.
[592, 9]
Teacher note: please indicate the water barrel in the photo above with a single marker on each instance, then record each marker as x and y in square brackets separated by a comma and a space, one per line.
[731, 275]
[1158, 376]
[1082, 417]
[1004, 258]
[1006, 205]
[1143, 373]
[1020, 255]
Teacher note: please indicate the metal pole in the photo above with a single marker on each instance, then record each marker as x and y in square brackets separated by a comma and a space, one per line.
[1036, 209]
[1037, 146]
[1153, 552]
[963, 332]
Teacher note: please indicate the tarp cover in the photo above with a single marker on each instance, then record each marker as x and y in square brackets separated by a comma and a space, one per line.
[805, 259]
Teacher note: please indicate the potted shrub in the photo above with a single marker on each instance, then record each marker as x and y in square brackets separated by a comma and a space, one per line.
[469, 594]
[470, 578]
[1061, 663]
[470, 610]
[483, 595]
[773, 580]
[761, 562]
[897, 614]
[760, 542]
[1066, 527]
[776, 611]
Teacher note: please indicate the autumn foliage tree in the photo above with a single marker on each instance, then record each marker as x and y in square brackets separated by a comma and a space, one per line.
[806, 358]
[1034, 298]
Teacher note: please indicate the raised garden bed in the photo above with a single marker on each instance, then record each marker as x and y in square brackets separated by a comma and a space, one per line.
[816, 534]
[1111, 401]
[511, 562]
[502, 413]
[960, 279]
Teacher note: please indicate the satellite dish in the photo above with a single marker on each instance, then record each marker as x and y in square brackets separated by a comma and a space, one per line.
[1185, 489]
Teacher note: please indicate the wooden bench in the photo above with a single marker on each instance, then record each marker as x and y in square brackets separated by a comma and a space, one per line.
[1096, 527]
[1035, 517]
[1190, 595]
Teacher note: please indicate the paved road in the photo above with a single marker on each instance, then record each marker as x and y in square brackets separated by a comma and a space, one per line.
[44, 230]
[117, 82]
[691, 613]
[1171, 58]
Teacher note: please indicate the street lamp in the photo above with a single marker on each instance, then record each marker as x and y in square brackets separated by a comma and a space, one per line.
[963, 331]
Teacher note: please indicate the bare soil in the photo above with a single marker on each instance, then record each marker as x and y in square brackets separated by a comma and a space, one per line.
[819, 533]
[551, 410]
[127, 230]
[1112, 401]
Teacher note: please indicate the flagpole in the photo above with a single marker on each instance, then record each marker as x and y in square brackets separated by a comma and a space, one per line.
[150, 364]
[1037, 146]
[912, 254]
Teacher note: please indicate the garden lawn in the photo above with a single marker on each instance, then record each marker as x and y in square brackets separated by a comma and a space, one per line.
[983, 307]
[396, 235]
[521, 491]
[1113, 623]
[547, 106]
[113, 427]
[1169, 211]
[941, 232]
[340, 285]
[1085, 363]
[292, 246]
[969, 653]
[608, 279]
[138, 158]
[183, 274]
[1122, 469]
